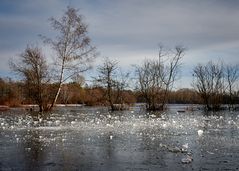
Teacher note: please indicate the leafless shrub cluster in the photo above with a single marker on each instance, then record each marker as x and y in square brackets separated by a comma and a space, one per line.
[156, 77]
[114, 81]
[215, 80]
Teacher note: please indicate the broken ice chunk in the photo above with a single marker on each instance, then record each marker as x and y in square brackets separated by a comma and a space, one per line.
[186, 160]
[200, 132]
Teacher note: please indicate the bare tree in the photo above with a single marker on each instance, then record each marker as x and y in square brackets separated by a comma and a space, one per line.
[122, 82]
[107, 73]
[72, 47]
[150, 83]
[232, 77]
[209, 83]
[32, 67]
[65, 94]
[156, 77]
[115, 82]
[170, 70]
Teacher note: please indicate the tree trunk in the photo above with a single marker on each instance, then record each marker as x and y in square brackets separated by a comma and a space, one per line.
[40, 108]
[62, 73]
[56, 97]
[59, 85]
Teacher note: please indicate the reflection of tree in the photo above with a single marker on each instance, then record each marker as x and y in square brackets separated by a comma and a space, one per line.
[108, 146]
[34, 154]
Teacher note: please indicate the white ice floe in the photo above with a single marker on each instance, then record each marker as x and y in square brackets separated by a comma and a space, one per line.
[200, 132]
[153, 116]
[73, 122]
[210, 152]
[174, 149]
[109, 125]
[49, 122]
[185, 146]
[186, 160]
[57, 122]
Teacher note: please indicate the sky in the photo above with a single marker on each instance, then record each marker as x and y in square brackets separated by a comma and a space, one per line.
[129, 30]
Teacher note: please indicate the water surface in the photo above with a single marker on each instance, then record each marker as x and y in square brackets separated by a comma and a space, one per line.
[83, 138]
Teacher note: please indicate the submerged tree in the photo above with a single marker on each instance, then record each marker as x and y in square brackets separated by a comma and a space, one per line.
[114, 82]
[231, 77]
[107, 73]
[74, 54]
[209, 84]
[171, 69]
[32, 67]
[122, 82]
[156, 77]
[150, 83]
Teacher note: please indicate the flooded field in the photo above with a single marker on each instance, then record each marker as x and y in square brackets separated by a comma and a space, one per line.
[84, 138]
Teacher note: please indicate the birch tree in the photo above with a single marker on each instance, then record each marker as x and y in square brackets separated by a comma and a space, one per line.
[74, 53]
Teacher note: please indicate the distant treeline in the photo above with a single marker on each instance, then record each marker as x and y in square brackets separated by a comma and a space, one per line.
[15, 94]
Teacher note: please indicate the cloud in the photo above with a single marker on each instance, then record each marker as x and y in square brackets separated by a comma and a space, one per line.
[130, 30]
[141, 22]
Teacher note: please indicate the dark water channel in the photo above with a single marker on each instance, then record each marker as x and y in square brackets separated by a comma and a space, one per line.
[80, 138]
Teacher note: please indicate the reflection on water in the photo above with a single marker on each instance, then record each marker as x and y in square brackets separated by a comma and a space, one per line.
[94, 139]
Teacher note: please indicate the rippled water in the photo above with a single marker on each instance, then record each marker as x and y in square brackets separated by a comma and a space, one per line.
[83, 138]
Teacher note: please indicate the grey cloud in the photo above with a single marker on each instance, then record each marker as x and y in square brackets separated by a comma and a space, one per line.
[131, 29]
[168, 23]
